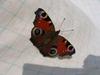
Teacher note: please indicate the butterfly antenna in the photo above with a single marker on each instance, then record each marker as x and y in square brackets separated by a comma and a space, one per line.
[62, 22]
[68, 30]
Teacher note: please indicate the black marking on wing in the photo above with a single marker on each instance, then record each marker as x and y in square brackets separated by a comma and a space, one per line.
[67, 44]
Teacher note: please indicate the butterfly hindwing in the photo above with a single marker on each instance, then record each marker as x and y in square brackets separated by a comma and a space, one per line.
[64, 47]
[58, 47]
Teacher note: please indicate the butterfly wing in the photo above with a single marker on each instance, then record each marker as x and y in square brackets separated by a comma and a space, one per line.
[43, 21]
[64, 47]
[42, 27]
[59, 46]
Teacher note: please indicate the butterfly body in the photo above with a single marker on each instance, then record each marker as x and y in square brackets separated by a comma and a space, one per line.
[46, 39]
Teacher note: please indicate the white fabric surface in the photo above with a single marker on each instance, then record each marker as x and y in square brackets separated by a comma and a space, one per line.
[16, 17]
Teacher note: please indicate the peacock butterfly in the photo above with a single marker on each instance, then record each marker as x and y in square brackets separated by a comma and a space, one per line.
[46, 39]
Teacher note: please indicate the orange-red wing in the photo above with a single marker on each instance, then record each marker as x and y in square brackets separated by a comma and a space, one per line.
[64, 47]
[43, 21]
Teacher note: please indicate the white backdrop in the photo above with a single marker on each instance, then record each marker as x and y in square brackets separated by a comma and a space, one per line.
[16, 17]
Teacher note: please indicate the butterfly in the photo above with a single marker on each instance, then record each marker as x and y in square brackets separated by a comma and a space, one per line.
[46, 39]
